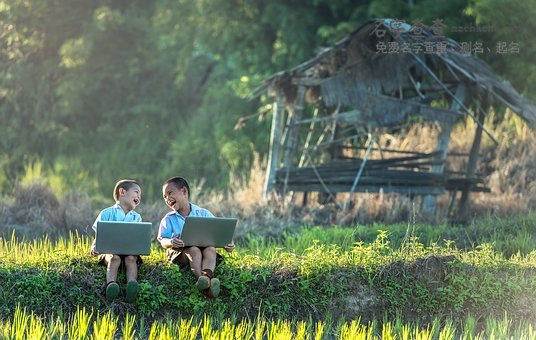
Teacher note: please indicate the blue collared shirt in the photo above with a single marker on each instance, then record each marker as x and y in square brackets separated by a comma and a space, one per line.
[116, 213]
[171, 225]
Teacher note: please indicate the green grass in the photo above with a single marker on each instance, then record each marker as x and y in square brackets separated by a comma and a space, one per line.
[298, 283]
[93, 325]
[507, 235]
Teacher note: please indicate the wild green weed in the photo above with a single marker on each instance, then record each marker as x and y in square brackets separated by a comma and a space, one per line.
[36, 328]
[128, 330]
[104, 327]
[80, 323]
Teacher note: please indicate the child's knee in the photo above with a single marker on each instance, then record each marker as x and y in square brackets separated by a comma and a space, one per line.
[130, 260]
[115, 260]
[209, 251]
[194, 251]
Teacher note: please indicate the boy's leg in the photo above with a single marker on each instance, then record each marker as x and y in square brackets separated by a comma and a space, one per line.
[208, 265]
[131, 268]
[193, 254]
[209, 260]
[112, 266]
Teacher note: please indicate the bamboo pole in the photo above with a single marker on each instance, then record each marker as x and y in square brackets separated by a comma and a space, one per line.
[356, 180]
[308, 139]
[321, 181]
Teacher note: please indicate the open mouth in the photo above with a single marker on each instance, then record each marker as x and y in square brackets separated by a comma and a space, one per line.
[171, 203]
[136, 201]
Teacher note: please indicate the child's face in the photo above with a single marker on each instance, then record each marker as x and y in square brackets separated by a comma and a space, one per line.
[174, 197]
[130, 198]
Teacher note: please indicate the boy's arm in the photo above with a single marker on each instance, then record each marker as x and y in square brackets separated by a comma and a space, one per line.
[165, 236]
[165, 242]
[171, 243]
[92, 251]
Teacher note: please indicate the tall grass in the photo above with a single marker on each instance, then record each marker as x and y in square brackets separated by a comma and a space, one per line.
[91, 325]
[80, 324]
[127, 329]
[509, 236]
[16, 250]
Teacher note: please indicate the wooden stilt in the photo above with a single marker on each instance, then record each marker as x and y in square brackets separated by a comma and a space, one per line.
[329, 154]
[291, 144]
[305, 198]
[430, 201]
[465, 202]
[452, 200]
[275, 145]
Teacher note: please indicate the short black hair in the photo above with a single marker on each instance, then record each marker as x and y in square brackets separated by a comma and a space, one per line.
[179, 182]
[123, 184]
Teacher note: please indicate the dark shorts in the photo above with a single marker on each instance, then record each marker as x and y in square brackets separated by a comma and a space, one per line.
[103, 262]
[173, 254]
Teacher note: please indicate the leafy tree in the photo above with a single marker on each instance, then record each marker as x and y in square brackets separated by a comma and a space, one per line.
[515, 25]
[100, 90]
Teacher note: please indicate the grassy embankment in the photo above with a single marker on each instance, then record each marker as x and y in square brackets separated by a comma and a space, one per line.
[314, 282]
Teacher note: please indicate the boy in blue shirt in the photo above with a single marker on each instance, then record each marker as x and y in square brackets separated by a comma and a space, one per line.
[127, 194]
[202, 261]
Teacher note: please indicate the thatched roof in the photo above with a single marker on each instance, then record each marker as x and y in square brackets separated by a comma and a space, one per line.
[354, 73]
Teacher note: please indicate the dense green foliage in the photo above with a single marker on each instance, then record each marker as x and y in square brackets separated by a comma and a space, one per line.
[91, 92]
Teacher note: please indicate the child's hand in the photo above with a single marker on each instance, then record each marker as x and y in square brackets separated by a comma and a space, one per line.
[177, 243]
[229, 248]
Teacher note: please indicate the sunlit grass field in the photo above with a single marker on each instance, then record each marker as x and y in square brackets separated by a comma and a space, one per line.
[92, 325]
[337, 282]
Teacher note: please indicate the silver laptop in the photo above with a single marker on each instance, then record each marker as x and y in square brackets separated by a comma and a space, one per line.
[123, 238]
[208, 231]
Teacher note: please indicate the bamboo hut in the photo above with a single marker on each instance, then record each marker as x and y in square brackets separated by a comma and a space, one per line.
[384, 74]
